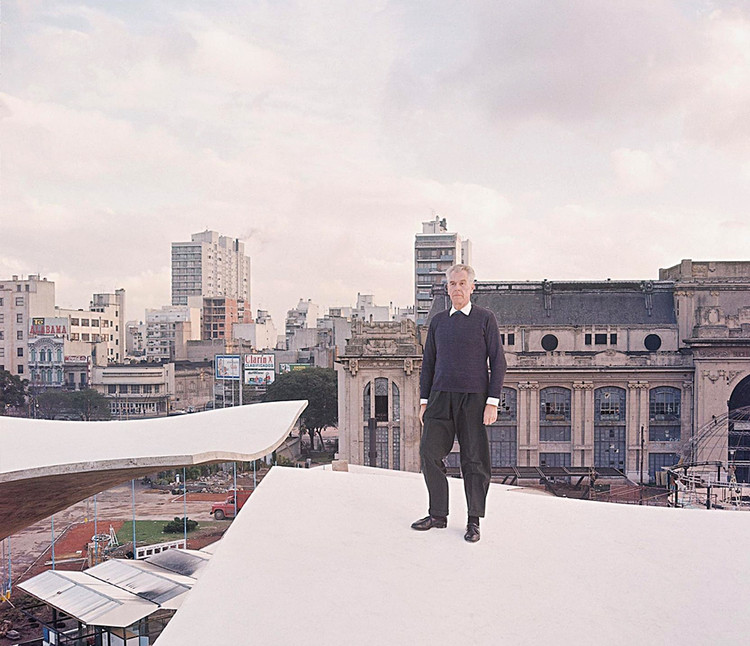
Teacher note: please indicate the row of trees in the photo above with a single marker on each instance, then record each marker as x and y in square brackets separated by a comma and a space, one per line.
[51, 404]
[316, 385]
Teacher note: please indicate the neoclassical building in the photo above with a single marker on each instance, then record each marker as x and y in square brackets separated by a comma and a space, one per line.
[606, 374]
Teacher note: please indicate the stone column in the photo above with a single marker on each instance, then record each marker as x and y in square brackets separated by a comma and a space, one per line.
[637, 406]
[582, 423]
[528, 423]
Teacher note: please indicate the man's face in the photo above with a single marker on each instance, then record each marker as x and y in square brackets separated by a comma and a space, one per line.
[460, 287]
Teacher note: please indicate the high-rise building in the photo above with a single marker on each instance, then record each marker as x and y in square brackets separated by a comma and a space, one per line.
[435, 250]
[169, 327]
[20, 302]
[220, 314]
[210, 266]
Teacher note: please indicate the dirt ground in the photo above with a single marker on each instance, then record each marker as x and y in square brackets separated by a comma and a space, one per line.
[74, 526]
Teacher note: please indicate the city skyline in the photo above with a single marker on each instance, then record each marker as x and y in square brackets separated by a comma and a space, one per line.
[565, 140]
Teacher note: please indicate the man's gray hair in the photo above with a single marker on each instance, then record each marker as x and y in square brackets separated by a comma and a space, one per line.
[467, 268]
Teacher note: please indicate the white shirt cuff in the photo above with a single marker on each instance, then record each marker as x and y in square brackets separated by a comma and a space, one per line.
[423, 401]
[493, 401]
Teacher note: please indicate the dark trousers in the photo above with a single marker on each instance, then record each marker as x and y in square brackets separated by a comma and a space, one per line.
[450, 415]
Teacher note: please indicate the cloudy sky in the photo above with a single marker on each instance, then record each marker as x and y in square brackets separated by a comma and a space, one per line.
[567, 139]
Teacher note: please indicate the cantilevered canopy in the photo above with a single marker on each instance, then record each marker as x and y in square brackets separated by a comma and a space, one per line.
[46, 466]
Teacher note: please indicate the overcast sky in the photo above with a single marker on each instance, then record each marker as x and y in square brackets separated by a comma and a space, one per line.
[567, 139]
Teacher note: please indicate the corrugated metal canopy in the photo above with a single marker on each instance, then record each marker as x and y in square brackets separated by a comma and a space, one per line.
[87, 599]
[186, 562]
[118, 593]
[144, 579]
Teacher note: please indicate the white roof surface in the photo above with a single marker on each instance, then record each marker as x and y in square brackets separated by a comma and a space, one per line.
[323, 557]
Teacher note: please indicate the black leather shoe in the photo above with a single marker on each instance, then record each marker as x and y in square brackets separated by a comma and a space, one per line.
[472, 533]
[428, 522]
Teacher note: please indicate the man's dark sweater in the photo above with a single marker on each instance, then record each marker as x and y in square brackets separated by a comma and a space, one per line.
[456, 353]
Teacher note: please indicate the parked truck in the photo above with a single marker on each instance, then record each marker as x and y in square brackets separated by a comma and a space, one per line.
[222, 510]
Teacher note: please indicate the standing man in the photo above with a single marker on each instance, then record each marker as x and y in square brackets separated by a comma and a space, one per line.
[459, 398]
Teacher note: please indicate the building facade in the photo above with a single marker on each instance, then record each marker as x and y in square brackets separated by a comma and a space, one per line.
[170, 327]
[101, 327]
[378, 394]
[614, 373]
[220, 314]
[435, 250]
[20, 301]
[136, 391]
[210, 265]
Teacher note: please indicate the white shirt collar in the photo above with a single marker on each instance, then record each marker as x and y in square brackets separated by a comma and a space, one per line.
[465, 309]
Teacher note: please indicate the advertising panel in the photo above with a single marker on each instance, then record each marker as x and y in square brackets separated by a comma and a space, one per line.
[258, 377]
[259, 361]
[227, 366]
[45, 326]
[289, 367]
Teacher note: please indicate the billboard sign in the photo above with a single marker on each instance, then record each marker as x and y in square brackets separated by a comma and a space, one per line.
[227, 366]
[45, 326]
[259, 377]
[76, 359]
[289, 367]
[259, 362]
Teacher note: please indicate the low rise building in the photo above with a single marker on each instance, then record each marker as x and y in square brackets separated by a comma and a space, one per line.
[136, 390]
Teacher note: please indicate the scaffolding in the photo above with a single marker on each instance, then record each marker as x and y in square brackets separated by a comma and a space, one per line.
[706, 474]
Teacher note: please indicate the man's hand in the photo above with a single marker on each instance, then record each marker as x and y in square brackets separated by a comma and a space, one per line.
[490, 414]
[422, 409]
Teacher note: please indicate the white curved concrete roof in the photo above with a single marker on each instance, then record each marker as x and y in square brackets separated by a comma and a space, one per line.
[325, 557]
[47, 465]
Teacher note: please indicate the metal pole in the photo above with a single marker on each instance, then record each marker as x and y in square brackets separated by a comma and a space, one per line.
[53, 541]
[184, 505]
[10, 568]
[234, 465]
[255, 482]
[132, 487]
[96, 533]
[643, 441]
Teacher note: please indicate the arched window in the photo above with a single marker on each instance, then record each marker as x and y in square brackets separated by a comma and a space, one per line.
[381, 400]
[609, 427]
[664, 404]
[32, 354]
[554, 414]
[58, 376]
[59, 355]
[366, 403]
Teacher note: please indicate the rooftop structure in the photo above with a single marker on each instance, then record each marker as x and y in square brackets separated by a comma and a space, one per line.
[546, 571]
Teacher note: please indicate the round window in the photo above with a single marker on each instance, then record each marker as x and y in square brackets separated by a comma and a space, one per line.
[652, 342]
[549, 342]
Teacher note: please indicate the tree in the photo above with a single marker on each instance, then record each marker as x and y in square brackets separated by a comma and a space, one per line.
[318, 386]
[13, 391]
[87, 404]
